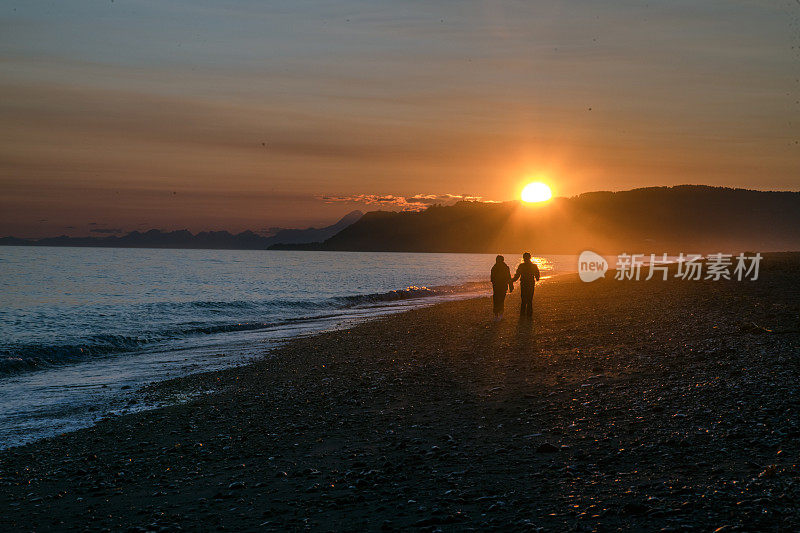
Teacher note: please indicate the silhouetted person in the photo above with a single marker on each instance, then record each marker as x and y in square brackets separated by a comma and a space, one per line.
[528, 274]
[501, 281]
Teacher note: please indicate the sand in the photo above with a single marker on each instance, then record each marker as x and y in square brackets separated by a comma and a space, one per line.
[623, 405]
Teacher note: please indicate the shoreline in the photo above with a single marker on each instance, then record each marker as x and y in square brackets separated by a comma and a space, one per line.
[624, 405]
[122, 397]
[115, 396]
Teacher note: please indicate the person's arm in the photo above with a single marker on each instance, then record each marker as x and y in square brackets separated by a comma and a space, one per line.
[536, 271]
[516, 276]
[510, 282]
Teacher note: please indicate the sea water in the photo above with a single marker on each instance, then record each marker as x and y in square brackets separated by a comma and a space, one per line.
[82, 328]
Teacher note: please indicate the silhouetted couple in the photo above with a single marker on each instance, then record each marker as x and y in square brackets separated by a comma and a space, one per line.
[527, 274]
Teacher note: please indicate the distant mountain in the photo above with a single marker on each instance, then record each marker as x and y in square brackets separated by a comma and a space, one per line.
[246, 240]
[298, 236]
[686, 218]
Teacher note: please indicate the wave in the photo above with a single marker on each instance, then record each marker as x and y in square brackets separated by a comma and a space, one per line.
[240, 316]
[391, 296]
[413, 291]
[335, 302]
[29, 356]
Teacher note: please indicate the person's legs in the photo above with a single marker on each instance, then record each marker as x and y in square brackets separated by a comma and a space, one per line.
[498, 301]
[526, 302]
[530, 302]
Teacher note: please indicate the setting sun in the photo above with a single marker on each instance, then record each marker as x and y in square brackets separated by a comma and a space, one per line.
[536, 192]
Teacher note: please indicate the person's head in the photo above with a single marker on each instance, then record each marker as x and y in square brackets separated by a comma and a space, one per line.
[526, 257]
[499, 259]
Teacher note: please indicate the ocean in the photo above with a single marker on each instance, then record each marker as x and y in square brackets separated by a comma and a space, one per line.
[82, 328]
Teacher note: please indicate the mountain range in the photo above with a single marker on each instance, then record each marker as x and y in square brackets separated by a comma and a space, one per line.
[246, 240]
[686, 218]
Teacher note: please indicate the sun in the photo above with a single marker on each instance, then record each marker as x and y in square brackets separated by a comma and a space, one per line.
[536, 192]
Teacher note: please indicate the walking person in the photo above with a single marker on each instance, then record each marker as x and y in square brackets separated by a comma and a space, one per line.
[528, 274]
[501, 281]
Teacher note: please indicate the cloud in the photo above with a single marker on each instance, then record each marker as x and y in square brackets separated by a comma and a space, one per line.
[106, 230]
[416, 202]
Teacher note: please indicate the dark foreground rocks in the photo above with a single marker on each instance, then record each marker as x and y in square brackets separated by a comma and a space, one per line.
[624, 406]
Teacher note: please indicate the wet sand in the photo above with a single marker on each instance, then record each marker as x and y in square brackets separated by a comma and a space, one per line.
[642, 405]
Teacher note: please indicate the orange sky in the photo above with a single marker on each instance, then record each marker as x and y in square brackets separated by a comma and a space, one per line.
[134, 115]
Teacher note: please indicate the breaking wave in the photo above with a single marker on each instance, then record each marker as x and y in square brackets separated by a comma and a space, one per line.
[182, 320]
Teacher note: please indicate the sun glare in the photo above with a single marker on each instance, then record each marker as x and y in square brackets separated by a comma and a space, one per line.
[536, 192]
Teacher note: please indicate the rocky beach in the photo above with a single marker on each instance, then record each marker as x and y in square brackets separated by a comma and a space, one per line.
[624, 405]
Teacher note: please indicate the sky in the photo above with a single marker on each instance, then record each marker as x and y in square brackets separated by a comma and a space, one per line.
[123, 115]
